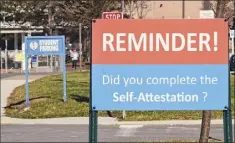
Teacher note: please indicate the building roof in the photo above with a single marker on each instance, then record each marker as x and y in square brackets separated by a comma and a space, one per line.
[12, 27]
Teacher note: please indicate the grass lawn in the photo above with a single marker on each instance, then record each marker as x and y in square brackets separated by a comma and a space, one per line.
[46, 101]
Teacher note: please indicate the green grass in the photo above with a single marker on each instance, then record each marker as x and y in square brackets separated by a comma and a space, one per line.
[46, 101]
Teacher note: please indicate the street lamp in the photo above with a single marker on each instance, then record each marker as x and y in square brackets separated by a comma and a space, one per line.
[122, 4]
[86, 42]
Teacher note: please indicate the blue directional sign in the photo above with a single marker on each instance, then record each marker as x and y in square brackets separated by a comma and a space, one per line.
[44, 45]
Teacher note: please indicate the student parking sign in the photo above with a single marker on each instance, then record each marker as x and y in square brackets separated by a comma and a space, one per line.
[44, 45]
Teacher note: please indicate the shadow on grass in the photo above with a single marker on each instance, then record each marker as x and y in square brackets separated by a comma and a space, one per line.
[79, 98]
[23, 101]
[57, 80]
[72, 82]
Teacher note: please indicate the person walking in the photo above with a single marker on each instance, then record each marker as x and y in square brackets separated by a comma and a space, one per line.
[74, 56]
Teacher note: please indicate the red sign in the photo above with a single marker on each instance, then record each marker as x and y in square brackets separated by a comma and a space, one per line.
[156, 41]
[112, 15]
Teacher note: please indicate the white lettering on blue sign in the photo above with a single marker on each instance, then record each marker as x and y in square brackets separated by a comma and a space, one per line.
[49, 45]
[151, 97]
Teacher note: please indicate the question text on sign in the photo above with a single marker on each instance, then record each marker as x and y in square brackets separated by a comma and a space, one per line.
[130, 96]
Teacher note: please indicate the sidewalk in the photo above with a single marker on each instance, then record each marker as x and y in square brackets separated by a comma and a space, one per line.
[102, 121]
[9, 84]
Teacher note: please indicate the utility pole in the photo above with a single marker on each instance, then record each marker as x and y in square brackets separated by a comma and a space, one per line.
[123, 7]
[1, 59]
[6, 66]
[50, 23]
[183, 9]
[233, 38]
[122, 3]
[50, 17]
[50, 27]
[80, 46]
[233, 25]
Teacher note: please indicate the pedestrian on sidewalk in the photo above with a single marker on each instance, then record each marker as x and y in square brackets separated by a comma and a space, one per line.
[74, 56]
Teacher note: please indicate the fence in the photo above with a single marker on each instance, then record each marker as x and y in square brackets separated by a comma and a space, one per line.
[13, 61]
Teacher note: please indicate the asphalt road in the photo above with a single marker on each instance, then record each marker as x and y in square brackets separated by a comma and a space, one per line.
[122, 133]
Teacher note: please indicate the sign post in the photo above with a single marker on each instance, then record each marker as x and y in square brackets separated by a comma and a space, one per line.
[227, 113]
[44, 45]
[157, 65]
[114, 15]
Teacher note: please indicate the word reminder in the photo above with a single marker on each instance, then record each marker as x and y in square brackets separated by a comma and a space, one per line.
[160, 64]
[159, 42]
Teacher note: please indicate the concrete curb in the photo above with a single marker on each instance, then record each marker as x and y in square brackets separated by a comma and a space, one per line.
[101, 121]
[61, 121]
[170, 122]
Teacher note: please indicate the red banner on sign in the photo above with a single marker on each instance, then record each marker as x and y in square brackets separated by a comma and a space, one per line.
[168, 41]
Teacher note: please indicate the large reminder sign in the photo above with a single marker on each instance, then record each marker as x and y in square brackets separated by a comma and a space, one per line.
[160, 64]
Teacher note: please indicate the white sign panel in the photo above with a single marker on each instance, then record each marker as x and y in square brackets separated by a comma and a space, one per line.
[231, 33]
[205, 14]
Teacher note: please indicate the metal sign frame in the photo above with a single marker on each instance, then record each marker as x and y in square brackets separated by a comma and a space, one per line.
[44, 45]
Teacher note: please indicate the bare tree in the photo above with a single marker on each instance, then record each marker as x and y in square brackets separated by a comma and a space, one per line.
[142, 8]
[220, 8]
[205, 126]
[130, 7]
[139, 8]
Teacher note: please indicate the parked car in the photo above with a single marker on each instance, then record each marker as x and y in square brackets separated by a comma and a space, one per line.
[232, 62]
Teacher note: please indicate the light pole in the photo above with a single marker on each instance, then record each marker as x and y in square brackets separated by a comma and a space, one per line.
[233, 25]
[6, 66]
[80, 46]
[183, 9]
[122, 3]
[1, 58]
[233, 38]
[86, 43]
